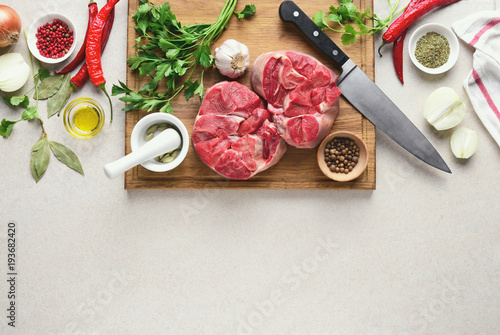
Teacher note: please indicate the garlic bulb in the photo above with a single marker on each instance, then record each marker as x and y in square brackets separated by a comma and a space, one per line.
[444, 109]
[232, 58]
[463, 142]
[14, 72]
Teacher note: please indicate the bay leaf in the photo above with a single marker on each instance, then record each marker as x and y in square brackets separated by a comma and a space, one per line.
[33, 171]
[38, 144]
[56, 102]
[49, 87]
[66, 156]
[40, 159]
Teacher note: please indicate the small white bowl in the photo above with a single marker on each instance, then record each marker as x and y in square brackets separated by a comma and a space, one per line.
[139, 133]
[40, 21]
[442, 30]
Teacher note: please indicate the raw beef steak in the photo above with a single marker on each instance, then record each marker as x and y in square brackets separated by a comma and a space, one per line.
[234, 134]
[302, 95]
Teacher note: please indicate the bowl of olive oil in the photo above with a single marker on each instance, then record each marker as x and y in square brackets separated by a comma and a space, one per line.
[83, 118]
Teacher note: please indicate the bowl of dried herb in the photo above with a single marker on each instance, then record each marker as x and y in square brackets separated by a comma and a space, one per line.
[433, 48]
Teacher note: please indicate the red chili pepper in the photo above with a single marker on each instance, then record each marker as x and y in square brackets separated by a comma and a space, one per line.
[80, 56]
[93, 50]
[397, 48]
[397, 55]
[409, 16]
[81, 77]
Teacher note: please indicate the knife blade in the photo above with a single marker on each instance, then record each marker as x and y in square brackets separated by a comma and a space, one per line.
[363, 94]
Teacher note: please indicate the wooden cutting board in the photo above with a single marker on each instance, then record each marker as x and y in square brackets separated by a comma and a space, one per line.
[264, 32]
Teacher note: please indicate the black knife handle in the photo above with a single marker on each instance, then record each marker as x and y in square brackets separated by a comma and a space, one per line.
[290, 12]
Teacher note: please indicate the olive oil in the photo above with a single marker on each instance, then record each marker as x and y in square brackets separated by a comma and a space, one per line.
[83, 118]
[86, 118]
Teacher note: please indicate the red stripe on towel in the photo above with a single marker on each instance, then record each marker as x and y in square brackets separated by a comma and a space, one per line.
[485, 92]
[487, 27]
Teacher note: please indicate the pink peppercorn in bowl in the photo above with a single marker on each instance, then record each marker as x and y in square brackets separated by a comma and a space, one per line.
[52, 38]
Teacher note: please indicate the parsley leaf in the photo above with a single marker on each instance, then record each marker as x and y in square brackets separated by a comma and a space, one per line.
[319, 19]
[190, 88]
[199, 90]
[248, 11]
[120, 89]
[43, 73]
[349, 36]
[346, 12]
[203, 56]
[22, 101]
[30, 114]
[167, 108]
[6, 127]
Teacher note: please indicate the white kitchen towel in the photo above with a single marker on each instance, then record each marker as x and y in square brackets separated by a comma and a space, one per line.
[482, 31]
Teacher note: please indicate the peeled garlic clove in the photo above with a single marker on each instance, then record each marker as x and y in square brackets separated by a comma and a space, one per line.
[444, 109]
[232, 58]
[463, 142]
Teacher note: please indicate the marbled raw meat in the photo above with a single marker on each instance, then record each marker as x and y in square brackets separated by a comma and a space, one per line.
[301, 93]
[234, 134]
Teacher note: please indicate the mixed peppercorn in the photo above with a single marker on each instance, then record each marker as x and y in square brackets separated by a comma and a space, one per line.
[54, 39]
[341, 155]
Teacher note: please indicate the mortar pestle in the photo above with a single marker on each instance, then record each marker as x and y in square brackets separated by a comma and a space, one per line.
[144, 151]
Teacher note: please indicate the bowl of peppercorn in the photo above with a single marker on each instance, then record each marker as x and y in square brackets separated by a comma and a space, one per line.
[342, 156]
[433, 48]
[51, 38]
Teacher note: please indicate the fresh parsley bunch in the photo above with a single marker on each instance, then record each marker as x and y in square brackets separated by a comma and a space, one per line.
[347, 12]
[167, 49]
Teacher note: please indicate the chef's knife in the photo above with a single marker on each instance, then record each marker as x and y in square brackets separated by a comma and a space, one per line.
[363, 94]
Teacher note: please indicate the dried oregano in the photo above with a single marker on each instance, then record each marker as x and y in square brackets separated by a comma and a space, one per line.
[432, 50]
